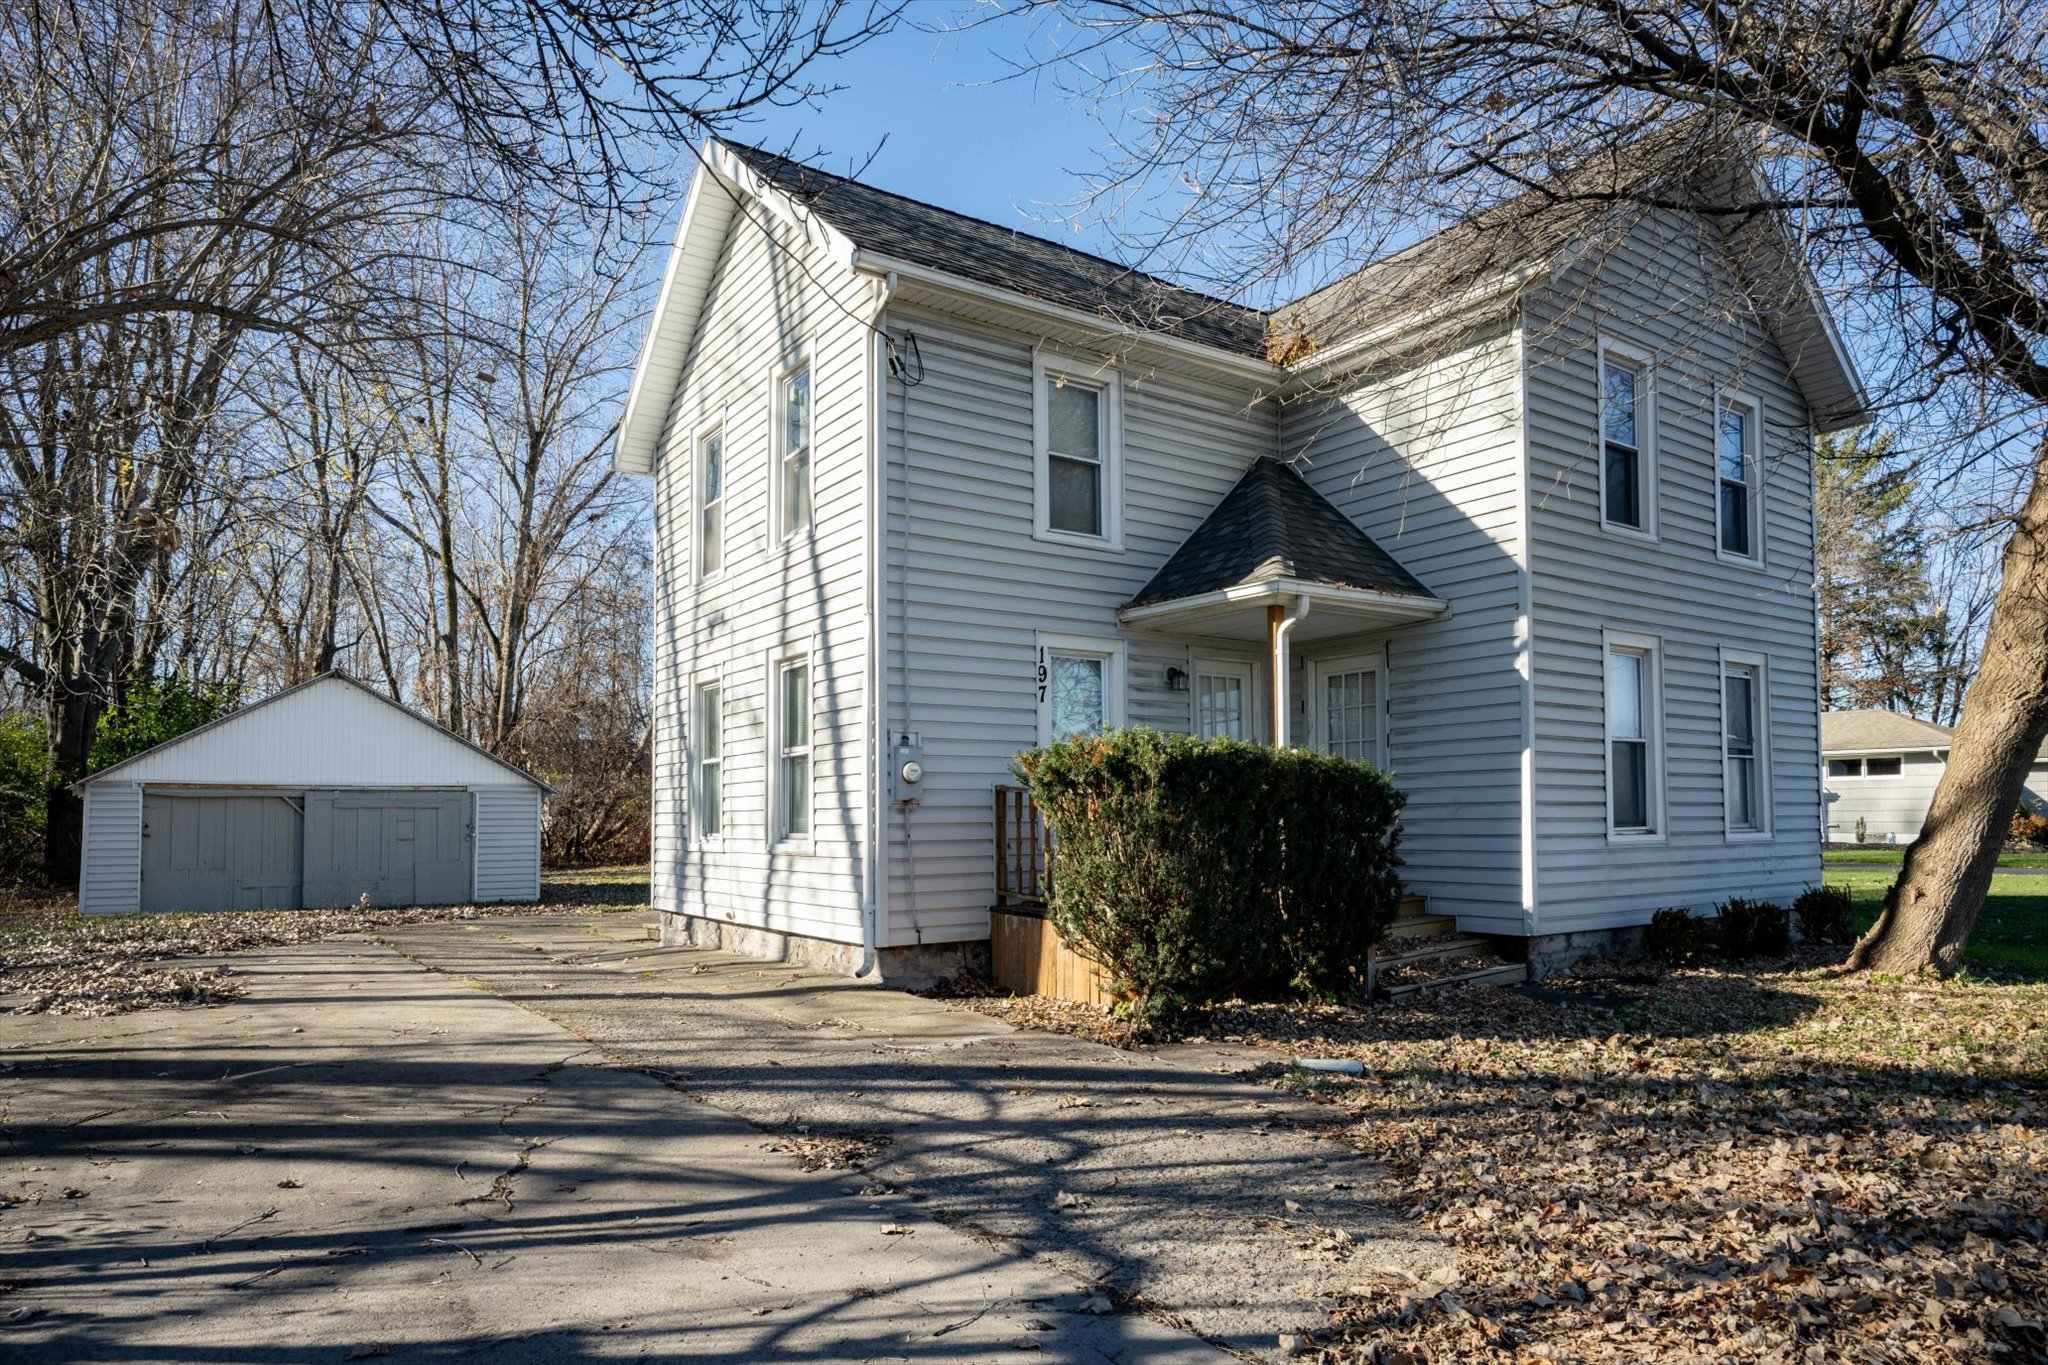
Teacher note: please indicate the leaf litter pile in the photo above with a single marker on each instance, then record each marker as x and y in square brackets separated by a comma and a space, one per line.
[60, 962]
[1785, 1164]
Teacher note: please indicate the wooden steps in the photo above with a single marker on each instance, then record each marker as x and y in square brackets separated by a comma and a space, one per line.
[1425, 952]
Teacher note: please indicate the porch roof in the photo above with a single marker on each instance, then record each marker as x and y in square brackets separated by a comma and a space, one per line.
[1274, 540]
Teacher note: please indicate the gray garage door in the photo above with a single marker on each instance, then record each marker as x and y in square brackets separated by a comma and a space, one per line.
[399, 847]
[219, 852]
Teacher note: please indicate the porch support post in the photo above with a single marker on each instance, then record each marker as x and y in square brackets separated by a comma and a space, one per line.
[1276, 655]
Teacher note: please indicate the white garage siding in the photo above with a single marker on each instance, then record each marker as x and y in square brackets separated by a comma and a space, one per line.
[507, 843]
[110, 870]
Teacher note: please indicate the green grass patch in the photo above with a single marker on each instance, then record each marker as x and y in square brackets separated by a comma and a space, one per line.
[1892, 857]
[2011, 933]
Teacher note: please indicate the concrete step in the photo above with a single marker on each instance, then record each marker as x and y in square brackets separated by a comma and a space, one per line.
[1504, 973]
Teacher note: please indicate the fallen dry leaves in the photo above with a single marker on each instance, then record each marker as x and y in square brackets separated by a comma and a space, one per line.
[1794, 1164]
[66, 963]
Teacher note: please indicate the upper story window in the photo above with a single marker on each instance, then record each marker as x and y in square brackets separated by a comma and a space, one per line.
[793, 446]
[711, 508]
[1737, 478]
[1077, 416]
[1633, 780]
[1627, 471]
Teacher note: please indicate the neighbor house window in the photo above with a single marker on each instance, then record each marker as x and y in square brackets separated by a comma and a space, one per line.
[793, 749]
[1742, 744]
[711, 517]
[794, 442]
[1893, 766]
[1737, 469]
[1625, 473]
[1632, 777]
[1080, 687]
[710, 760]
[1223, 700]
[1076, 413]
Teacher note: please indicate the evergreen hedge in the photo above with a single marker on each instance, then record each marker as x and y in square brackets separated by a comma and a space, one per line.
[1195, 869]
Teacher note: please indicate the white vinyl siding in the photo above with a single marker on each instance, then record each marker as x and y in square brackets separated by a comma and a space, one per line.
[507, 843]
[1424, 456]
[1893, 807]
[110, 869]
[1651, 289]
[766, 316]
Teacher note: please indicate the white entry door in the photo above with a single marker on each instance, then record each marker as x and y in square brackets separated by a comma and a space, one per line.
[1224, 708]
[1347, 708]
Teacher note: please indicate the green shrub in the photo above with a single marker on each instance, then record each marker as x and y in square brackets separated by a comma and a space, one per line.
[1822, 913]
[1754, 928]
[1192, 869]
[1678, 936]
[24, 793]
[153, 710]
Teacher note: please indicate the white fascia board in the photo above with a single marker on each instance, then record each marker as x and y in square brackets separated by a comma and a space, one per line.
[1242, 367]
[675, 311]
[1392, 606]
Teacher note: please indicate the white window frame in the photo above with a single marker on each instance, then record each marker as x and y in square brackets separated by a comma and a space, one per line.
[1246, 672]
[1863, 773]
[1116, 656]
[1319, 671]
[705, 435]
[794, 362]
[1108, 381]
[1652, 650]
[698, 687]
[1748, 404]
[1759, 668]
[1646, 435]
[777, 750]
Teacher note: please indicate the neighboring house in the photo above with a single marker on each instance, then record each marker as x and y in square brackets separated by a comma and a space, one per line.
[316, 796]
[1882, 768]
[929, 492]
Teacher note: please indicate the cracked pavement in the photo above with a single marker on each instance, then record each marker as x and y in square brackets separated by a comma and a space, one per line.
[549, 1139]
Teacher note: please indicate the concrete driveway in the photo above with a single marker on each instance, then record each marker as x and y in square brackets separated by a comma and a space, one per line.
[549, 1139]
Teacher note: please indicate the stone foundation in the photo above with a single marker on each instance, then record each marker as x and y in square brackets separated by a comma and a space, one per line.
[907, 968]
[1548, 953]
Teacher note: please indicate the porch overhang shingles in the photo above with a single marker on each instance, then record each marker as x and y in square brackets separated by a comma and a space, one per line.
[1274, 541]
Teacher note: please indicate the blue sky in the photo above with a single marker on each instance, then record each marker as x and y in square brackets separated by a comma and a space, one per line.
[950, 130]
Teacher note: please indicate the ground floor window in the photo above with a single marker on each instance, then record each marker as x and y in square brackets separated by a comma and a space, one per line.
[1080, 686]
[1223, 700]
[793, 750]
[1742, 725]
[710, 760]
[1632, 785]
[1348, 703]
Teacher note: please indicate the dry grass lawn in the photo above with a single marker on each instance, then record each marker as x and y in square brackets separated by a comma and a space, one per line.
[1780, 1164]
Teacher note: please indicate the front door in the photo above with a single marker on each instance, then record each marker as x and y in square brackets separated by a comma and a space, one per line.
[1347, 706]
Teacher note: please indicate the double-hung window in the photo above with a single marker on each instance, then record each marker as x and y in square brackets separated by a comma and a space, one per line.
[793, 441]
[710, 760]
[793, 749]
[1080, 686]
[1626, 472]
[1077, 414]
[1744, 777]
[1633, 780]
[1736, 470]
[711, 511]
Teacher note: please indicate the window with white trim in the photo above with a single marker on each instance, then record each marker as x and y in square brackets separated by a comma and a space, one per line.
[1633, 777]
[710, 760]
[1736, 468]
[1077, 420]
[1223, 700]
[793, 444]
[1892, 765]
[711, 504]
[1350, 710]
[1627, 480]
[1080, 687]
[792, 749]
[1743, 767]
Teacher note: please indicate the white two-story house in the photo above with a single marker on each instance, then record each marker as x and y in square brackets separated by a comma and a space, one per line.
[1528, 527]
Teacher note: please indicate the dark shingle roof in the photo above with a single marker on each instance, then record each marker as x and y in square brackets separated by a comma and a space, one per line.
[1273, 525]
[923, 234]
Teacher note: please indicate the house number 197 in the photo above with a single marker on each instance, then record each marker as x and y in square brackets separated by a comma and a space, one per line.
[1043, 673]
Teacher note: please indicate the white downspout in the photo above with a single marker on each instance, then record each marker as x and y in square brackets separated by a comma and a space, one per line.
[1281, 627]
[877, 736]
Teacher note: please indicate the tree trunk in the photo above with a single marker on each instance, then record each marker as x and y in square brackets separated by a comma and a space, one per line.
[1930, 910]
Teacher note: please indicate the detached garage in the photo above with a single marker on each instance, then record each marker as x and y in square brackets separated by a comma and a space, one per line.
[318, 796]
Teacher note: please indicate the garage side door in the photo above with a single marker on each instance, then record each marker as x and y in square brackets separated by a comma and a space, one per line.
[219, 852]
[397, 847]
